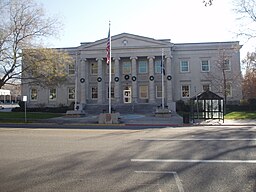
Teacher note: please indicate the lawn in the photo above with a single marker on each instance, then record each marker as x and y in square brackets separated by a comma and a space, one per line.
[18, 116]
[241, 115]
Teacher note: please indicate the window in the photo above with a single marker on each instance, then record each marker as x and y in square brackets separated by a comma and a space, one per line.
[227, 65]
[112, 68]
[71, 69]
[158, 91]
[112, 92]
[206, 87]
[33, 94]
[205, 67]
[127, 67]
[184, 66]
[143, 66]
[185, 91]
[229, 89]
[71, 93]
[94, 68]
[52, 94]
[144, 92]
[158, 66]
[94, 92]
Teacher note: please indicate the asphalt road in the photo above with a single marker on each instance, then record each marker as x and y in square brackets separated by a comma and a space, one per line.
[184, 159]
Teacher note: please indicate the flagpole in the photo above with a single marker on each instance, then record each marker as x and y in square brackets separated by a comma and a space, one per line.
[109, 86]
[76, 84]
[162, 72]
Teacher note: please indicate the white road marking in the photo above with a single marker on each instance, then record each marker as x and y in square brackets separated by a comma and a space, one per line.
[202, 139]
[193, 161]
[175, 174]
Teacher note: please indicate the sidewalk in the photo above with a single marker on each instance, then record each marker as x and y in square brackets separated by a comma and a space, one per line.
[150, 119]
[126, 119]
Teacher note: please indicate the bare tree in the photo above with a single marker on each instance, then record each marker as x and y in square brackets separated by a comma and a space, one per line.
[222, 76]
[208, 2]
[246, 11]
[23, 26]
[249, 81]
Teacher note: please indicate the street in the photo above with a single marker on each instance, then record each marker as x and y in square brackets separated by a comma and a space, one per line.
[170, 159]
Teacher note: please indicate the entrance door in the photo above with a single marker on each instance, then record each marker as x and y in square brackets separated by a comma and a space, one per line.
[127, 96]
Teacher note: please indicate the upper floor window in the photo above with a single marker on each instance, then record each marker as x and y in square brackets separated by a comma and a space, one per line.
[33, 94]
[205, 67]
[185, 91]
[112, 68]
[52, 94]
[158, 66]
[143, 66]
[127, 67]
[184, 66]
[227, 65]
[94, 68]
[71, 69]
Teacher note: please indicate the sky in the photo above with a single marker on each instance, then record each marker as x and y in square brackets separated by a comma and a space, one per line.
[182, 21]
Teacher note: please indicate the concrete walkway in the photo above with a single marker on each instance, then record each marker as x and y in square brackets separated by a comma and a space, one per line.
[127, 119]
[150, 119]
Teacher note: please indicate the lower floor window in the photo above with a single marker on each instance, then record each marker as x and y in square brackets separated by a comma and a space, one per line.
[229, 89]
[52, 94]
[94, 93]
[71, 93]
[33, 94]
[158, 91]
[112, 92]
[185, 91]
[144, 92]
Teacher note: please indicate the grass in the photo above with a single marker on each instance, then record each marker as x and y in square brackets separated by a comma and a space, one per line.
[241, 115]
[20, 116]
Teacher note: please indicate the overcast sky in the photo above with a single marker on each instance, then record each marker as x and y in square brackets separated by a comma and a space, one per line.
[182, 21]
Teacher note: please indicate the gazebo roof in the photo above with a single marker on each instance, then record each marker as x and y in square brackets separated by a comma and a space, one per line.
[207, 95]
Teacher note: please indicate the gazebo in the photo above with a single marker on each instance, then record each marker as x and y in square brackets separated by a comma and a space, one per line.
[207, 105]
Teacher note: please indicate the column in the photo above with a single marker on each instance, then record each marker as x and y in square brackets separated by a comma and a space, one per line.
[151, 83]
[100, 83]
[83, 81]
[170, 103]
[134, 83]
[117, 83]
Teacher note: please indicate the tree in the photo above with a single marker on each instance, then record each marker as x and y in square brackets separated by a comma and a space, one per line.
[249, 81]
[223, 75]
[23, 26]
[246, 10]
[208, 2]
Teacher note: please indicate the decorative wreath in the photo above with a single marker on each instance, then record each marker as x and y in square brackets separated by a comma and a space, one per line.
[169, 77]
[99, 79]
[134, 78]
[126, 77]
[151, 78]
[82, 80]
[116, 79]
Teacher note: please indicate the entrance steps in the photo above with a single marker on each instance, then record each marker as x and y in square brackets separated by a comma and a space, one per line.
[122, 108]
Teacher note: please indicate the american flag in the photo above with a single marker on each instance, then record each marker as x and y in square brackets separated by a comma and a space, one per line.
[108, 47]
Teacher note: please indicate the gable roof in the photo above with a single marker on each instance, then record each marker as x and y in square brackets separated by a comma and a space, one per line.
[126, 40]
[207, 95]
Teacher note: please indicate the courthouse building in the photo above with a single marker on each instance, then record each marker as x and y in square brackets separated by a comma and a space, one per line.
[136, 61]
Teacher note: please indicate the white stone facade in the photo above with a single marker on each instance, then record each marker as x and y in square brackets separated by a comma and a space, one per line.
[136, 75]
